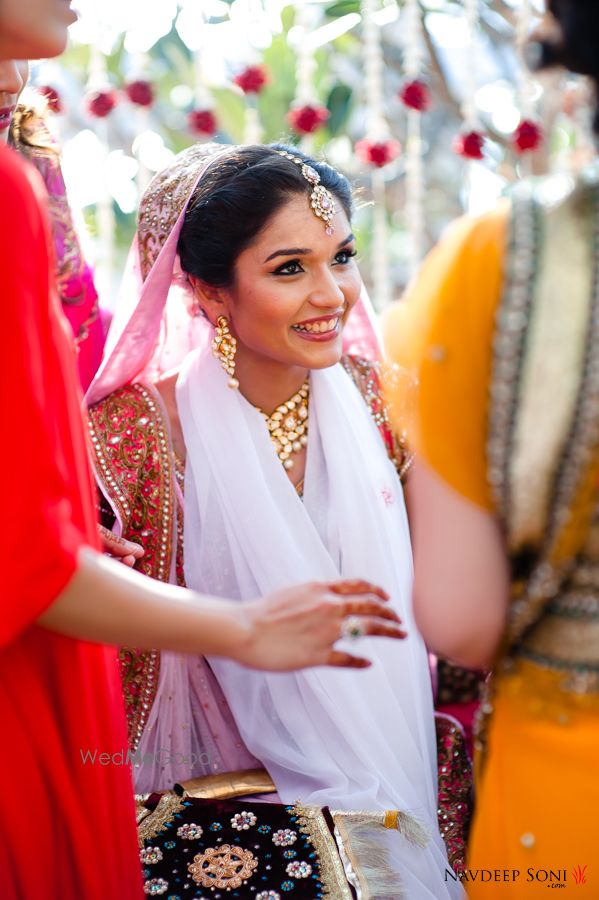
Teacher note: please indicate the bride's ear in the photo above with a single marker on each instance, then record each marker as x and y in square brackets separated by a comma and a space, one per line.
[209, 299]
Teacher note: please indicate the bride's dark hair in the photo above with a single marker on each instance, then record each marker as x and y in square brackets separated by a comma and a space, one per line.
[235, 199]
[577, 47]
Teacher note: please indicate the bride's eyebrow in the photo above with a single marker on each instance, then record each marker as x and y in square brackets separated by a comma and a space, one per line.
[292, 251]
[304, 251]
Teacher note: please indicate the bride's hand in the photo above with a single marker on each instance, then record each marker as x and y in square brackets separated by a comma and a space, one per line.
[299, 626]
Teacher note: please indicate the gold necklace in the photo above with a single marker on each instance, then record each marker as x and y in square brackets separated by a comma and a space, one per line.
[288, 425]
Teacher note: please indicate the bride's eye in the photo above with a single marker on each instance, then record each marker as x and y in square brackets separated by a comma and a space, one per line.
[344, 256]
[289, 268]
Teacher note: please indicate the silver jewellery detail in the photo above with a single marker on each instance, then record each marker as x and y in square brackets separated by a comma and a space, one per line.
[321, 199]
[352, 628]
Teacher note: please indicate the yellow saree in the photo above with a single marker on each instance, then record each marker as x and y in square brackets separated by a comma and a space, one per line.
[501, 328]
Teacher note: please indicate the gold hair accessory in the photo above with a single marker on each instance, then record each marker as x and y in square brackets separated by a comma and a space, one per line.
[321, 199]
[224, 348]
[288, 425]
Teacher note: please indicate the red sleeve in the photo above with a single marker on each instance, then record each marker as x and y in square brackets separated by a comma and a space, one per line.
[42, 526]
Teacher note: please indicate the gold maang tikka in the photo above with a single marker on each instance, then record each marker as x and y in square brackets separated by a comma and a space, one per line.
[321, 199]
[224, 348]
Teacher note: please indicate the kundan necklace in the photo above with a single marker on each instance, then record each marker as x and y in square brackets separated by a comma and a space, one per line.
[288, 425]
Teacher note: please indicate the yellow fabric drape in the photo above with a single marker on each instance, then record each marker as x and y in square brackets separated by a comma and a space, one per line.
[536, 800]
[538, 795]
[442, 333]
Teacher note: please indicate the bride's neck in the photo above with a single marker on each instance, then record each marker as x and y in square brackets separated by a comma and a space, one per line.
[267, 385]
[262, 384]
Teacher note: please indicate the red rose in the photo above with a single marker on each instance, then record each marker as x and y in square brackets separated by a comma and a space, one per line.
[252, 79]
[378, 153]
[415, 95]
[202, 121]
[527, 136]
[52, 96]
[470, 144]
[307, 119]
[140, 92]
[101, 103]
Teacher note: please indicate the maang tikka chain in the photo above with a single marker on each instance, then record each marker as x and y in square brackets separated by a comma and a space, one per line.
[321, 199]
[224, 348]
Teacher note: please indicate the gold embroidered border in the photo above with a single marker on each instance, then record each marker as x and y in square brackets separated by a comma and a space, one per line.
[573, 493]
[366, 375]
[168, 806]
[551, 372]
[565, 640]
[311, 822]
[165, 198]
[574, 497]
[509, 343]
[131, 444]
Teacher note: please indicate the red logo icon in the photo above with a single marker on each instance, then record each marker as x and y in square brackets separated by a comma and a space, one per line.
[579, 873]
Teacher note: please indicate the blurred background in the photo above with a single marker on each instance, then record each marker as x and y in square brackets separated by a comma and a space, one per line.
[426, 105]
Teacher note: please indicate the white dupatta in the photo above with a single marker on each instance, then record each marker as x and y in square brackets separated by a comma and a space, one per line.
[354, 740]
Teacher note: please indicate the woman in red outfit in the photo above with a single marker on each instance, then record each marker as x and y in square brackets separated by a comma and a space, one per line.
[67, 829]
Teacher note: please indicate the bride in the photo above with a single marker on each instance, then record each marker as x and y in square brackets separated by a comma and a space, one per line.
[225, 383]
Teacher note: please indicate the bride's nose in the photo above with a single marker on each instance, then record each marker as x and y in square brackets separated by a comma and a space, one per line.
[326, 292]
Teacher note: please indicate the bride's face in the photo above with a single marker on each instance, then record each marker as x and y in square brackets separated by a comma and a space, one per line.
[294, 288]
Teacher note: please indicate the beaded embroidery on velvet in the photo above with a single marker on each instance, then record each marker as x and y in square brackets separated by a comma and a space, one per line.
[288, 849]
[366, 375]
[134, 467]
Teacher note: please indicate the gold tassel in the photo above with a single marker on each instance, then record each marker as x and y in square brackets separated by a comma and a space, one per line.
[409, 827]
[412, 829]
[359, 836]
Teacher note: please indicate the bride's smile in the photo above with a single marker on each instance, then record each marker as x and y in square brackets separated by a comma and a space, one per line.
[292, 291]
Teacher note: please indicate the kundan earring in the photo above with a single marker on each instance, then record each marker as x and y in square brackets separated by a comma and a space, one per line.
[224, 348]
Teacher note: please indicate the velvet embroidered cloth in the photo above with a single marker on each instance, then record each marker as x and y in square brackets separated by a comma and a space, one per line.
[266, 851]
